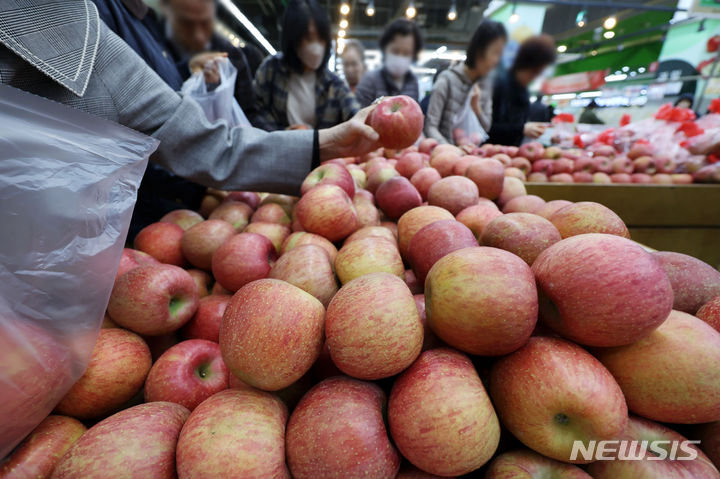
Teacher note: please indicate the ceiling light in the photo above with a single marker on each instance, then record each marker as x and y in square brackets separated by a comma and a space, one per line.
[344, 23]
[562, 48]
[235, 11]
[593, 53]
[610, 22]
[344, 8]
[609, 34]
[370, 10]
[514, 17]
[580, 18]
[452, 13]
[641, 70]
[411, 11]
[341, 33]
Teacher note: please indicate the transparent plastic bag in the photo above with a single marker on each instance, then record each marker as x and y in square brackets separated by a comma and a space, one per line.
[68, 183]
[218, 103]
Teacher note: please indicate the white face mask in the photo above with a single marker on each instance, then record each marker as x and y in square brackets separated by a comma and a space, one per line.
[397, 65]
[312, 54]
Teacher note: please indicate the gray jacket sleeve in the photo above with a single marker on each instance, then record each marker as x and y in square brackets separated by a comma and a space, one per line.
[486, 94]
[438, 102]
[209, 154]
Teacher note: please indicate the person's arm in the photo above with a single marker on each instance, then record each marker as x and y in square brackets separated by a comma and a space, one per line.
[436, 107]
[213, 154]
[365, 91]
[503, 131]
[262, 90]
[484, 115]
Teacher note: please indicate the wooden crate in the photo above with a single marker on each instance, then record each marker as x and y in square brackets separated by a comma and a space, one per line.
[683, 218]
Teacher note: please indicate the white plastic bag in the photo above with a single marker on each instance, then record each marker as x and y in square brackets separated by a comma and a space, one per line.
[466, 121]
[68, 183]
[219, 103]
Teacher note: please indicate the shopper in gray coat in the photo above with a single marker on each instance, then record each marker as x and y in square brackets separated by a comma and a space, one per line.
[64, 52]
[466, 85]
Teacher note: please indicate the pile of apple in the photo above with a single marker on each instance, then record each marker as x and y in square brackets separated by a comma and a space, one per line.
[414, 314]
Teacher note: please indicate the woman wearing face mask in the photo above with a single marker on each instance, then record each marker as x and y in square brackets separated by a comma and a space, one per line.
[462, 94]
[294, 88]
[400, 43]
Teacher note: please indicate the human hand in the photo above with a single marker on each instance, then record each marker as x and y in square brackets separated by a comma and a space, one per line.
[534, 129]
[351, 138]
[207, 63]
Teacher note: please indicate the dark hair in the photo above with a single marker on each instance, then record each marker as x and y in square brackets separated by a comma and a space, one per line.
[686, 96]
[535, 53]
[592, 105]
[487, 32]
[296, 20]
[354, 44]
[402, 27]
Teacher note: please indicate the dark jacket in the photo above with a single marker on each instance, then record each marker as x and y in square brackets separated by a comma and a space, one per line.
[588, 116]
[378, 83]
[511, 109]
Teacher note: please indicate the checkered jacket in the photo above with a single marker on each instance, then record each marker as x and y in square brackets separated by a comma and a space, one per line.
[335, 103]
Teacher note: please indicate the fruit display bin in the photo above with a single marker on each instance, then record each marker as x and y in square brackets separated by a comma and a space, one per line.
[682, 218]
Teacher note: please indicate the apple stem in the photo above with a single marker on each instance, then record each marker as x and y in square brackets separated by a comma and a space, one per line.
[561, 418]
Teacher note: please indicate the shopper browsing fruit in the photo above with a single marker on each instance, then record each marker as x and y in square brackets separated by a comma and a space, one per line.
[400, 44]
[462, 94]
[353, 63]
[109, 80]
[294, 88]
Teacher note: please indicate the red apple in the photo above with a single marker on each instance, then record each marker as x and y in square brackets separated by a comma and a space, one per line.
[478, 216]
[641, 178]
[330, 174]
[639, 150]
[462, 164]
[523, 164]
[119, 364]
[621, 178]
[271, 333]
[378, 341]
[427, 145]
[183, 218]
[524, 204]
[275, 232]
[367, 214]
[631, 295]
[548, 415]
[398, 120]
[131, 259]
[202, 240]
[153, 299]
[162, 242]
[481, 300]
[415, 286]
[562, 178]
[512, 187]
[301, 238]
[585, 163]
[603, 164]
[523, 234]
[549, 208]
[588, 217]
[665, 164]
[532, 151]
[250, 198]
[271, 213]
[537, 177]
[409, 163]
[235, 433]
[286, 201]
[562, 165]
[423, 179]
[203, 281]
[396, 196]
[710, 313]
[622, 164]
[436, 240]
[368, 255]
[414, 220]
[328, 211]
[694, 282]
[444, 161]
[234, 212]
[441, 417]
[454, 193]
[665, 380]
[372, 232]
[600, 149]
[582, 177]
[136, 442]
[241, 259]
[515, 173]
[644, 164]
[337, 431]
[187, 374]
[309, 268]
[543, 166]
[205, 324]
[530, 464]
[502, 158]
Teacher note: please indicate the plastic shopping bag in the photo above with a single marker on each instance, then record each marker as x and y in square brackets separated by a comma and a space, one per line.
[218, 103]
[68, 183]
[467, 126]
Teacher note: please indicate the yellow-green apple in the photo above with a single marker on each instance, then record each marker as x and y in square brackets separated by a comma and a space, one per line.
[162, 242]
[522, 164]
[710, 312]
[330, 174]
[271, 333]
[454, 193]
[396, 196]
[427, 145]
[236, 213]
[187, 374]
[378, 176]
[275, 232]
[153, 299]
[371, 232]
[512, 187]
[301, 238]
[414, 220]
[440, 416]
[235, 433]
[481, 300]
[665, 380]
[117, 370]
[566, 178]
[601, 178]
[694, 282]
[478, 216]
[372, 327]
[621, 178]
[136, 442]
[271, 213]
[203, 281]
[328, 211]
[549, 208]
[368, 255]
[444, 161]
[359, 176]
[709, 436]
[250, 198]
[409, 163]
[631, 294]
[183, 218]
[41, 450]
[243, 258]
[309, 268]
[337, 431]
[652, 451]
[132, 258]
[205, 324]
[368, 214]
[515, 173]
[527, 464]
[682, 178]
[523, 234]
[202, 240]
[662, 179]
[423, 179]
[588, 217]
[408, 471]
[552, 152]
[434, 241]
[551, 393]
[398, 120]
[524, 204]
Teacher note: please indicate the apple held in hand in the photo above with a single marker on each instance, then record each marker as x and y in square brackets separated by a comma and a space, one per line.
[205, 324]
[330, 174]
[524, 463]
[153, 300]
[162, 242]
[440, 416]
[398, 120]
[328, 211]
[309, 268]
[551, 393]
[337, 431]
[201, 241]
